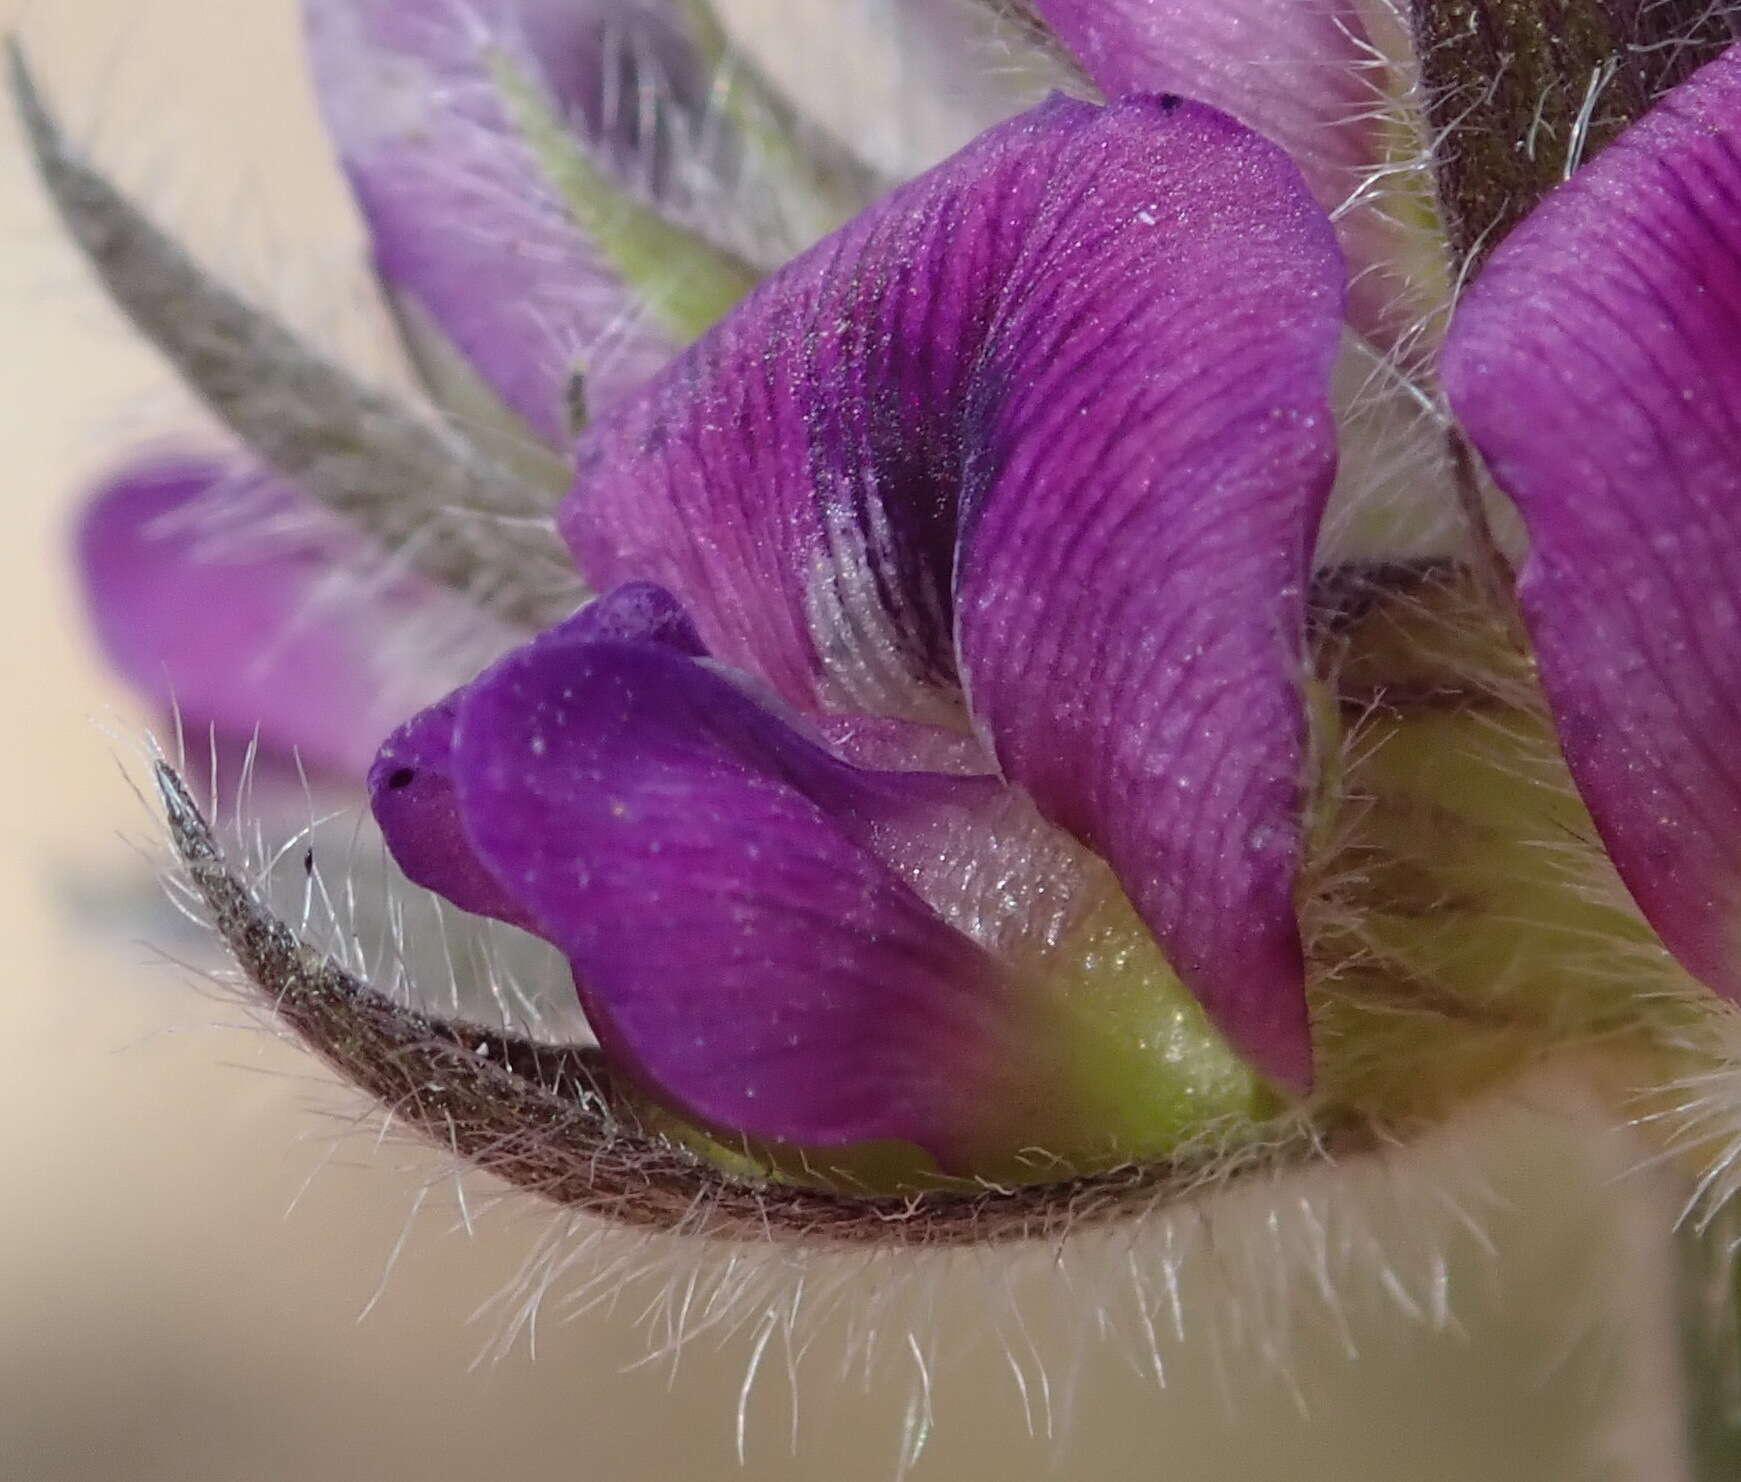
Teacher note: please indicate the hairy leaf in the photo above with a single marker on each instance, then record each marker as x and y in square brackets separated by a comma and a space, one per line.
[419, 488]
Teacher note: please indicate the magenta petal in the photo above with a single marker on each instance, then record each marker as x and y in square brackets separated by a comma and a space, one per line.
[1597, 365]
[1068, 394]
[464, 221]
[226, 596]
[412, 797]
[1300, 72]
[411, 789]
[1132, 572]
[1291, 69]
[710, 874]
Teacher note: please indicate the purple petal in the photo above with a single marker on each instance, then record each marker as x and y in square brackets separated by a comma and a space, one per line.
[220, 593]
[1300, 72]
[1130, 613]
[412, 797]
[1082, 370]
[464, 219]
[1597, 365]
[411, 789]
[736, 939]
[637, 613]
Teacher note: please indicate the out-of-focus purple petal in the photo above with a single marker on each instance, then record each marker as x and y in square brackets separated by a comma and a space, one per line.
[1075, 378]
[1597, 365]
[465, 220]
[411, 790]
[713, 878]
[232, 599]
[1300, 72]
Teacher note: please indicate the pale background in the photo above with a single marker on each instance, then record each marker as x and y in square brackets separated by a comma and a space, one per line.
[165, 1313]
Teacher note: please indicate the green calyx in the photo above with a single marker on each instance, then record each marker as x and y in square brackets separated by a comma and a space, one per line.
[1464, 917]
[686, 282]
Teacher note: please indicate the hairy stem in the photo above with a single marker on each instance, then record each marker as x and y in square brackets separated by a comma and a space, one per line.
[1522, 92]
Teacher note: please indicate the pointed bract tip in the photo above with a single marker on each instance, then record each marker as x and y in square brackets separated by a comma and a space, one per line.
[40, 126]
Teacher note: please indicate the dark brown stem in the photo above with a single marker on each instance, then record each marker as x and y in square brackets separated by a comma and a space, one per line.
[1522, 92]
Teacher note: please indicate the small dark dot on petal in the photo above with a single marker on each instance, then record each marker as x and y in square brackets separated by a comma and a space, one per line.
[1170, 101]
[402, 778]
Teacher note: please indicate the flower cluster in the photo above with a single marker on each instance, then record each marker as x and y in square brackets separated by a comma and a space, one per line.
[974, 752]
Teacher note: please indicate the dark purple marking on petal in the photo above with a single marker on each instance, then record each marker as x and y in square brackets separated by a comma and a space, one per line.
[226, 596]
[1068, 395]
[713, 877]
[463, 218]
[1596, 363]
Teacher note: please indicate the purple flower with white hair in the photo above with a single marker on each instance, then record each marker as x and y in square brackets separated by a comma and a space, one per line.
[934, 744]
[893, 496]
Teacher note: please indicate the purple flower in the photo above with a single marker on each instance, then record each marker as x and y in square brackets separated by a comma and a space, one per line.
[949, 759]
[451, 118]
[228, 598]
[1072, 472]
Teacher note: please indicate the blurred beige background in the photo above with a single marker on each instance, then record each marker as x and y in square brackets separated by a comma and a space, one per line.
[165, 1313]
